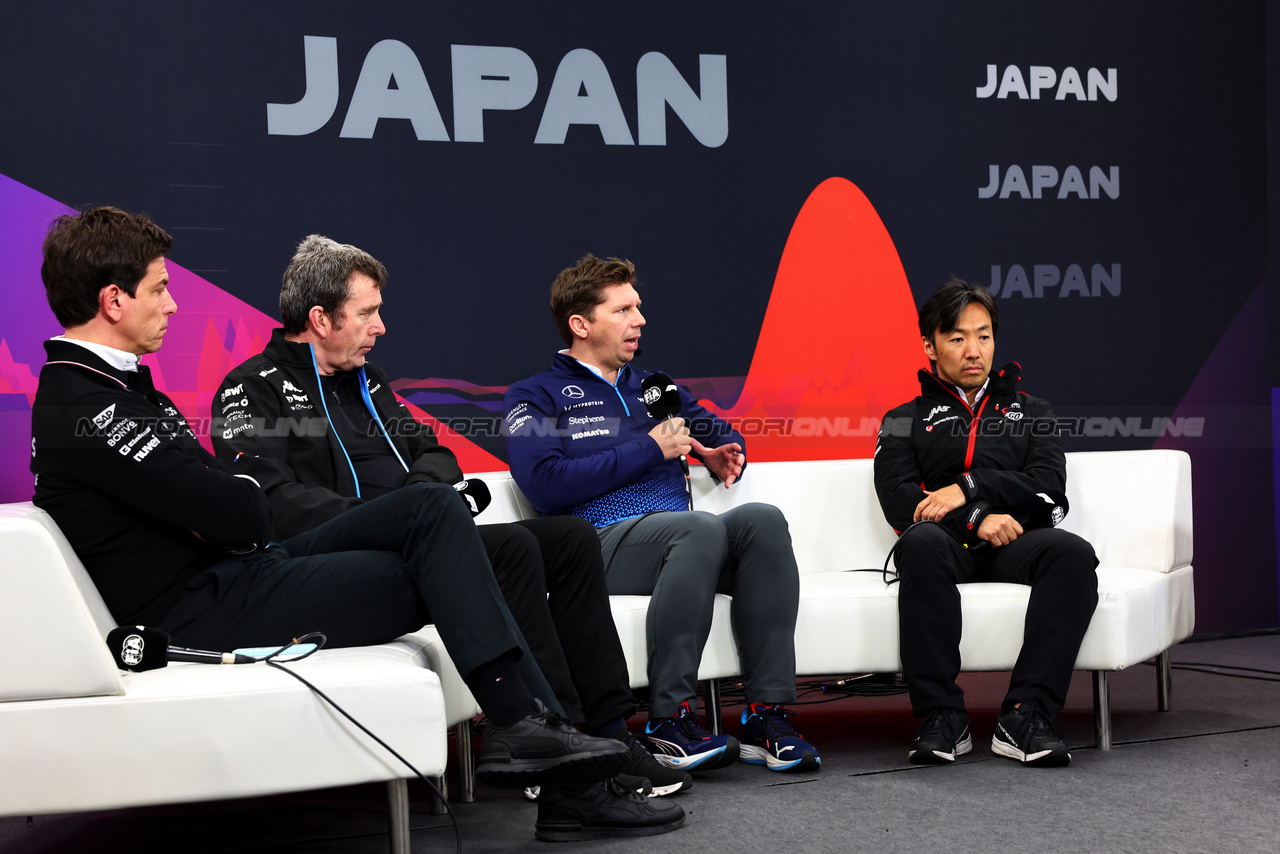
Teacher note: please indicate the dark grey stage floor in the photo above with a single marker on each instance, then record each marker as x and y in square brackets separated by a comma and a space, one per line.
[1203, 777]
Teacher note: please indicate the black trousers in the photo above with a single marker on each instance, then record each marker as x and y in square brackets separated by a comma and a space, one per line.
[376, 572]
[1059, 567]
[552, 578]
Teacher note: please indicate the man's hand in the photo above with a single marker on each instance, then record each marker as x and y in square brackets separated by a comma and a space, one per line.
[999, 529]
[937, 504]
[725, 462]
[672, 437]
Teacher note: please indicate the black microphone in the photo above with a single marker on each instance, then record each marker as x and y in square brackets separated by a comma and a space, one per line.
[476, 493]
[662, 400]
[140, 648]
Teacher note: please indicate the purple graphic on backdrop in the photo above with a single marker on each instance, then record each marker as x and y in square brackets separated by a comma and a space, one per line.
[211, 333]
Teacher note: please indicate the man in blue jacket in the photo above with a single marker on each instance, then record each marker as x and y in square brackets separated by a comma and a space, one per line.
[580, 441]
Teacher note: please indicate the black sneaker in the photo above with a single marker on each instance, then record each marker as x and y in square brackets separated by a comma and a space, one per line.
[941, 737]
[1027, 735]
[664, 779]
[602, 811]
[544, 748]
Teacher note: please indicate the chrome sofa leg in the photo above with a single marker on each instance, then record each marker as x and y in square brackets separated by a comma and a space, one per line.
[1102, 709]
[437, 803]
[713, 706]
[466, 763]
[398, 815]
[1164, 682]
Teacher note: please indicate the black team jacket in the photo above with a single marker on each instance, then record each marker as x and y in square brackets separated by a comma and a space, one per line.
[1001, 455]
[145, 507]
[270, 419]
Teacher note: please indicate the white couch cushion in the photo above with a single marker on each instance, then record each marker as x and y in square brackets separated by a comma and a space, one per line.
[191, 732]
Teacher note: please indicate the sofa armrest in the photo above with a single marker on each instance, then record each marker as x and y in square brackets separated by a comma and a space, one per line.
[52, 620]
[1133, 506]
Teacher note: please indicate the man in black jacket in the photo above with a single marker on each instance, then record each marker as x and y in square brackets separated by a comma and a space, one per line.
[971, 474]
[176, 538]
[320, 428]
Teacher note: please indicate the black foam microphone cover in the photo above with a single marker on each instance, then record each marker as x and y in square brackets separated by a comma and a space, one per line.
[138, 648]
[661, 397]
[662, 400]
[476, 494]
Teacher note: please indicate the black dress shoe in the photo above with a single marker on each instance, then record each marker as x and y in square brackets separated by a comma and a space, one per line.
[639, 785]
[602, 811]
[543, 748]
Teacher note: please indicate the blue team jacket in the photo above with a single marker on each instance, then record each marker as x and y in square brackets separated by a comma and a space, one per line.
[578, 445]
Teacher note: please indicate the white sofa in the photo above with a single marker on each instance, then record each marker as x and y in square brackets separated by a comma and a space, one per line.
[96, 738]
[80, 735]
[1133, 506]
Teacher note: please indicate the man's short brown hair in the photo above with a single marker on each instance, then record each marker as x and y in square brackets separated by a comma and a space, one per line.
[83, 253]
[580, 288]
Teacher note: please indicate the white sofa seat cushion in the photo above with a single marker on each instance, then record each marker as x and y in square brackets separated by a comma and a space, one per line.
[191, 732]
[848, 622]
[719, 656]
[424, 648]
[1140, 613]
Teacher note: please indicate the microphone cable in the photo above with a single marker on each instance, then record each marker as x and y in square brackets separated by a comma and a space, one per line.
[270, 661]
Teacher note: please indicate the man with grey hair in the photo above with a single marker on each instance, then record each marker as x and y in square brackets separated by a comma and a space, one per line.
[327, 435]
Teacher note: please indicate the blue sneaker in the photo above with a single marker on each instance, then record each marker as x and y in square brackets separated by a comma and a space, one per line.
[768, 738]
[683, 742]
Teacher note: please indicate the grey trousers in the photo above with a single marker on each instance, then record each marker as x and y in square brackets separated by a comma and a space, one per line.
[682, 559]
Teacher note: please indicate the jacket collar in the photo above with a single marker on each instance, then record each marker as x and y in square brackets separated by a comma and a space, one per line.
[286, 352]
[62, 350]
[565, 362]
[1001, 382]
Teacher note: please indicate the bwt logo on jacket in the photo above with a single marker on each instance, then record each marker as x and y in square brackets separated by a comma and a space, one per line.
[392, 85]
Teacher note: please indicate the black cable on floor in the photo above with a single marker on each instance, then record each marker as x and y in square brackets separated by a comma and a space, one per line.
[1199, 667]
[1251, 633]
[271, 662]
[857, 685]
